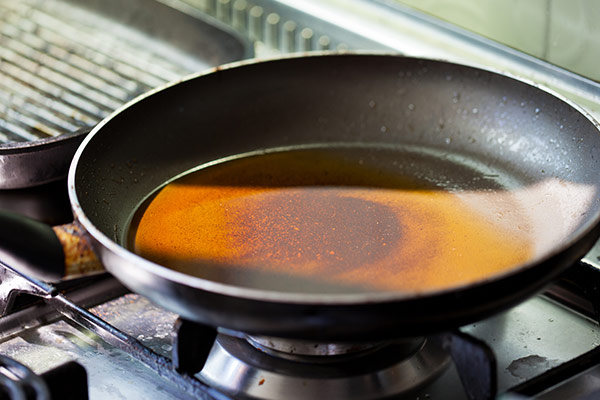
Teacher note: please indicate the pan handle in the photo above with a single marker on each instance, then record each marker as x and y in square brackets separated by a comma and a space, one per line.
[80, 258]
[47, 253]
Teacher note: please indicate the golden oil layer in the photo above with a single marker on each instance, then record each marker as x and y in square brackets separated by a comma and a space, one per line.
[323, 217]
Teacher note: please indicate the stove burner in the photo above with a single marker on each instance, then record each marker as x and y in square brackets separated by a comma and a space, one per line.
[238, 368]
[299, 349]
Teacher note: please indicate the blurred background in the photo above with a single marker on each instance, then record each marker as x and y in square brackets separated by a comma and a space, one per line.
[565, 33]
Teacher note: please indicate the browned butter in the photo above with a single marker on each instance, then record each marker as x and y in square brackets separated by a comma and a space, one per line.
[326, 219]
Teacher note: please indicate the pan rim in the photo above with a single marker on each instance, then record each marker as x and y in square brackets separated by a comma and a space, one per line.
[332, 299]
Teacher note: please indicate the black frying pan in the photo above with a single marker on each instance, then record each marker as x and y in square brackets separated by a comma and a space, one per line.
[479, 123]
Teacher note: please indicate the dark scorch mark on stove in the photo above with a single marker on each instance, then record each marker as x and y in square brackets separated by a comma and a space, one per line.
[527, 367]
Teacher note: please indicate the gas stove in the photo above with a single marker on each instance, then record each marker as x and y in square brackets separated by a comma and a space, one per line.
[131, 348]
[546, 347]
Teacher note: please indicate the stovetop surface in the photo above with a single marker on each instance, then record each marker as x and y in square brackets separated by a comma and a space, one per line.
[527, 340]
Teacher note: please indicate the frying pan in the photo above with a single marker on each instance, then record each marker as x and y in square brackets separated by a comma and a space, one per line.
[473, 119]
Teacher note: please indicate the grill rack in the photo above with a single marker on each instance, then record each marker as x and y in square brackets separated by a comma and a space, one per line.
[67, 64]
[63, 68]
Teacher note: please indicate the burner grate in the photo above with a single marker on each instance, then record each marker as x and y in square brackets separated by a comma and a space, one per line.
[16, 284]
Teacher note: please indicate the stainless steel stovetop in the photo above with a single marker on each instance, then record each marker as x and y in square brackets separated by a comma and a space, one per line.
[534, 339]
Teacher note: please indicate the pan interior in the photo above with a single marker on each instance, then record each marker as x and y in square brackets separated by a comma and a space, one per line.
[348, 218]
